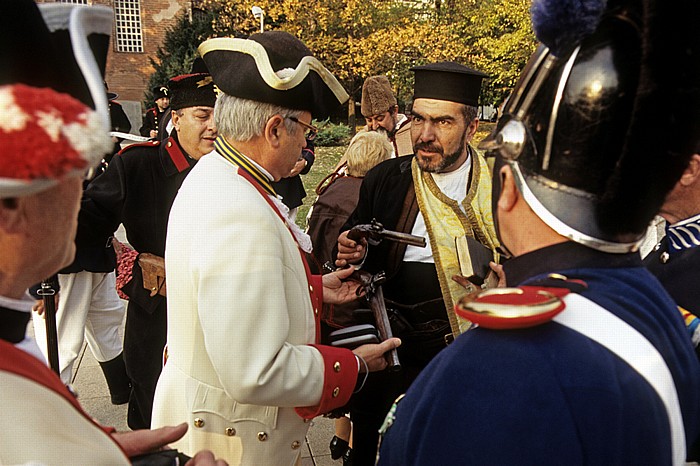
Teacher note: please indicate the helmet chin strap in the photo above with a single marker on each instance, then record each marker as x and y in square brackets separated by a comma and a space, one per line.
[495, 195]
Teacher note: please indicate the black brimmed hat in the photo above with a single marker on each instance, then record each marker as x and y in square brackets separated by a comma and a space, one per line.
[51, 77]
[191, 90]
[273, 67]
[159, 92]
[449, 81]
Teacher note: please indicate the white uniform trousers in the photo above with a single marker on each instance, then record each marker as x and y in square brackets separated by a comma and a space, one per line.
[88, 308]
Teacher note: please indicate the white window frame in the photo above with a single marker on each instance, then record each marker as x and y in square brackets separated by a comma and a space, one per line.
[129, 28]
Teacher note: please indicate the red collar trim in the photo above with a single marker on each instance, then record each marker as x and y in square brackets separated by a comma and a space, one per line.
[176, 154]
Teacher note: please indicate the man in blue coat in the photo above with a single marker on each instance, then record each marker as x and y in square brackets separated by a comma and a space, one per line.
[587, 361]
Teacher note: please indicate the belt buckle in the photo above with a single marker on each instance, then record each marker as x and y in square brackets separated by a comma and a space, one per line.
[449, 338]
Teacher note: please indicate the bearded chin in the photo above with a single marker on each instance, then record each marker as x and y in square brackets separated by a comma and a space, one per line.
[446, 161]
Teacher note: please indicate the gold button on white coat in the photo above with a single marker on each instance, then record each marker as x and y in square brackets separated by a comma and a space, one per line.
[230, 431]
[295, 445]
[262, 436]
[198, 422]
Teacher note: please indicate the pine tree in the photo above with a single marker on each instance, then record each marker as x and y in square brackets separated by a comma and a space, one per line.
[179, 49]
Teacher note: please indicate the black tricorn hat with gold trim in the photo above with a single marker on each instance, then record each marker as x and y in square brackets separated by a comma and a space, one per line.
[273, 67]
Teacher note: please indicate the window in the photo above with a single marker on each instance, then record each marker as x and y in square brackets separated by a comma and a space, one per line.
[128, 23]
[77, 2]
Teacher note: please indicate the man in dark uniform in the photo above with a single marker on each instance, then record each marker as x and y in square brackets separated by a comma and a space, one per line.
[120, 122]
[137, 190]
[587, 361]
[443, 194]
[152, 120]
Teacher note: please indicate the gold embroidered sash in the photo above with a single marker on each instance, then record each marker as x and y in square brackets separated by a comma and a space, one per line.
[446, 222]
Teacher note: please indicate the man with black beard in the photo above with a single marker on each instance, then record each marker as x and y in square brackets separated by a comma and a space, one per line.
[442, 193]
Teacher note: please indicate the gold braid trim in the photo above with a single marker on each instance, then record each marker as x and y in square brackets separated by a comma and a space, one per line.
[445, 222]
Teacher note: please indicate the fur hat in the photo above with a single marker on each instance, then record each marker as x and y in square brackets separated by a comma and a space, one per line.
[159, 92]
[273, 67]
[48, 129]
[192, 90]
[377, 96]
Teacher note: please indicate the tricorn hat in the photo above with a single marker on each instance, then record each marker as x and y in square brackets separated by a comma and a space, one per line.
[604, 117]
[52, 76]
[273, 67]
[159, 92]
[449, 81]
[191, 90]
[377, 96]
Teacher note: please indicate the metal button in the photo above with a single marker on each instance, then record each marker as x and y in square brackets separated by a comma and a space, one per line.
[311, 288]
[315, 310]
[262, 436]
[198, 422]
[230, 431]
[170, 143]
[664, 257]
[336, 366]
[295, 445]
[336, 391]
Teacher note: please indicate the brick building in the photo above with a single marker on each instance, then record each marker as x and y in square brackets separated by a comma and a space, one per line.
[139, 27]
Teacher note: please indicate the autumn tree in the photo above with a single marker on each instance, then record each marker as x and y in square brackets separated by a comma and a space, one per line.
[356, 39]
[179, 49]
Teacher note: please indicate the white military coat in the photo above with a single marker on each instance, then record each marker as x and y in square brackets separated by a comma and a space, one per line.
[240, 325]
[44, 424]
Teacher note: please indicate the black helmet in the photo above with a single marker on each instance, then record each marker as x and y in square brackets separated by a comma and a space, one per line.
[584, 130]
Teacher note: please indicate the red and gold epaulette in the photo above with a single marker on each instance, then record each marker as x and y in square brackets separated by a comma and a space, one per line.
[521, 307]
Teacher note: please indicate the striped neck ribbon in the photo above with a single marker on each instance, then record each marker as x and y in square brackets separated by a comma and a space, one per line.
[232, 154]
[684, 234]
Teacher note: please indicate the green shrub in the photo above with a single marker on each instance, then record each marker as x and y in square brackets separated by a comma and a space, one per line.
[331, 134]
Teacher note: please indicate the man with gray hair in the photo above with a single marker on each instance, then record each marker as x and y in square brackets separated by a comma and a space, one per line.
[244, 322]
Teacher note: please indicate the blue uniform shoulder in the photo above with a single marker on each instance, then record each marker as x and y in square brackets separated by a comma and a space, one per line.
[521, 307]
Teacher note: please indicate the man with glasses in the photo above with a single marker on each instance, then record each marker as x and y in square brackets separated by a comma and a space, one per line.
[290, 187]
[243, 367]
[443, 193]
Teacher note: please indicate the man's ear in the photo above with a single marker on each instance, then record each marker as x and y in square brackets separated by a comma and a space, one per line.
[272, 130]
[10, 215]
[471, 129]
[175, 119]
[692, 173]
[509, 192]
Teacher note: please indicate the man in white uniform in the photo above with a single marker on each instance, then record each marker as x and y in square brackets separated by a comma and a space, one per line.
[243, 367]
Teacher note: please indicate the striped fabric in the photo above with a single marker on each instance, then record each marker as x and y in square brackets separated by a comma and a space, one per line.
[684, 234]
[230, 153]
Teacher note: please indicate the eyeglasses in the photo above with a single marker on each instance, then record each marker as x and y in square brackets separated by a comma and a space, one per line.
[311, 129]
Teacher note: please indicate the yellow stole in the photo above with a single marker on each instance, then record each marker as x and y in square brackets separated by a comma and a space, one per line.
[446, 222]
